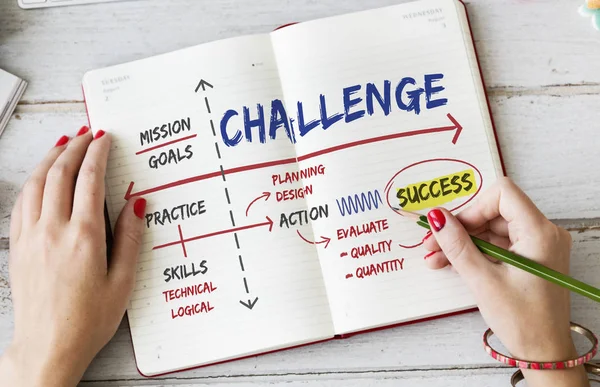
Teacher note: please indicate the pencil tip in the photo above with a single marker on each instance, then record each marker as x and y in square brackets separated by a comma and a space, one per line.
[408, 214]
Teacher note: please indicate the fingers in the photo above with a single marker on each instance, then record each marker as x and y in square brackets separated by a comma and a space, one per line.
[495, 239]
[494, 232]
[33, 190]
[126, 248]
[60, 182]
[15, 219]
[503, 199]
[458, 247]
[436, 260]
[88, 201]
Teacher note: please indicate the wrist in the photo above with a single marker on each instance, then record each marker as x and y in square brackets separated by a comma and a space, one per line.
[547, 348]
[26, 366]
[571, 377]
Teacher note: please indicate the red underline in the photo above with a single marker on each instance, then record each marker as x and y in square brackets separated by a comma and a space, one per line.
[165, 144]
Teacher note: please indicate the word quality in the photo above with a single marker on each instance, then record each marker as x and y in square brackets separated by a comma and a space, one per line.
[407, 95]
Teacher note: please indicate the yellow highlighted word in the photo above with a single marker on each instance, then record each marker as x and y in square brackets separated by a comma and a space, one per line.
[436, 192]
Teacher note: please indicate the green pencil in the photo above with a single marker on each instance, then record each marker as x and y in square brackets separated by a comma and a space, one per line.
[521, 262]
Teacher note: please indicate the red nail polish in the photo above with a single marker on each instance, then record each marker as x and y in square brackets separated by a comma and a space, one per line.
[437, 220]
[429, 233]
[429, 255]
[99, 134]
[83, 130]
[62, 141]
[139, 208]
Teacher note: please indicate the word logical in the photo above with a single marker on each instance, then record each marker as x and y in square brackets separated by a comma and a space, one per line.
[181, 212]
[164, 131]
[407, 95]
[171, 156]
[182, 272]
[375, 269]
[191, 310]
[301, 217]
[359, 202]
[365, 228]
[194, 290]
[296, 176]
[438, 191]
[294, 193]
[371, 249]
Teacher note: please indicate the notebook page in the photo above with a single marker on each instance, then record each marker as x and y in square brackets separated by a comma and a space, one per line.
[217, 278]
[335, 71]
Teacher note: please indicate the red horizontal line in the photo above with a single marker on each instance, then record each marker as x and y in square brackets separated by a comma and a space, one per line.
[372, 140]
[211, 235]
[165, 144]
[308, 156]
[207, 176]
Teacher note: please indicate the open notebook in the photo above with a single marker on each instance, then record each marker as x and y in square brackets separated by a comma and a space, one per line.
[271, 164]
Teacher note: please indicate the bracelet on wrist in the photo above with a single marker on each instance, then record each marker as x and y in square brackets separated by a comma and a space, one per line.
[526, 364]
[590, 368]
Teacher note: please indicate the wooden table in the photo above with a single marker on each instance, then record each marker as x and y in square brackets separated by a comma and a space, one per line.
[540, 61]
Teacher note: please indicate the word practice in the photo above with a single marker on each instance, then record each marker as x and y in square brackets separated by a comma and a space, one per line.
[181, 212]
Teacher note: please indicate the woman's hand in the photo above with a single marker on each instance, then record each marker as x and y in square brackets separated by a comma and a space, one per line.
[531, 316]
[68, 299]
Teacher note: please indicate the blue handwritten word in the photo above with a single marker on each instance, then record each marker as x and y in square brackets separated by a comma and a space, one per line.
[359, 202]
[358, 103]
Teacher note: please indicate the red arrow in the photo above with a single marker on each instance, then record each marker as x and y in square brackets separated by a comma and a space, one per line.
[324, 240]
[265, 195]
[454, 127]
[268, 222]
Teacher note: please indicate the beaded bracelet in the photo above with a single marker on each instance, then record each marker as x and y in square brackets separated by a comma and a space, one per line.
[590, 368]
[544, 365]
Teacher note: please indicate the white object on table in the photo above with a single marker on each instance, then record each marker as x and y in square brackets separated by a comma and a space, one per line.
[11, 90]
[29, 4]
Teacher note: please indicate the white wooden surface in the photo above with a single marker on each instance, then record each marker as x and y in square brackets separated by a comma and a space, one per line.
[540, 61]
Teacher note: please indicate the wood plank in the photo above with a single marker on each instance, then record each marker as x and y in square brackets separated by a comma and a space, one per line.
[456, 340]
[53, 48]
[447, 378]
[545, 141]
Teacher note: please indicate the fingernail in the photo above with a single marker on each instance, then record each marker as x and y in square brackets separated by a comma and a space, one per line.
[429, 233]
[437, 220]
[429, 255]
[99, 134]
[62, 141]
[139, 208]
[84, 129]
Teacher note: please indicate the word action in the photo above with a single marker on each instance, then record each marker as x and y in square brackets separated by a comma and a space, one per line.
[302, 217]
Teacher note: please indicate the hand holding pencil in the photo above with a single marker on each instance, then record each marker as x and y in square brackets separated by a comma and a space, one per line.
[506, 217]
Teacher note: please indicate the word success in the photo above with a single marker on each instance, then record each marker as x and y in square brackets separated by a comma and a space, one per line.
[357, 101]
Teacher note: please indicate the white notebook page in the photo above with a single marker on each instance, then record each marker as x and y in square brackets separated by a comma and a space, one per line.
[386, 282]
[275, 273]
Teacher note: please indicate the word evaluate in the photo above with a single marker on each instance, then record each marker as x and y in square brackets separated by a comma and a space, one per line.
[407, 96]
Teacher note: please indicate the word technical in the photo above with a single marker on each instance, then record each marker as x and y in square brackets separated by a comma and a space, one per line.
[407, 95]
